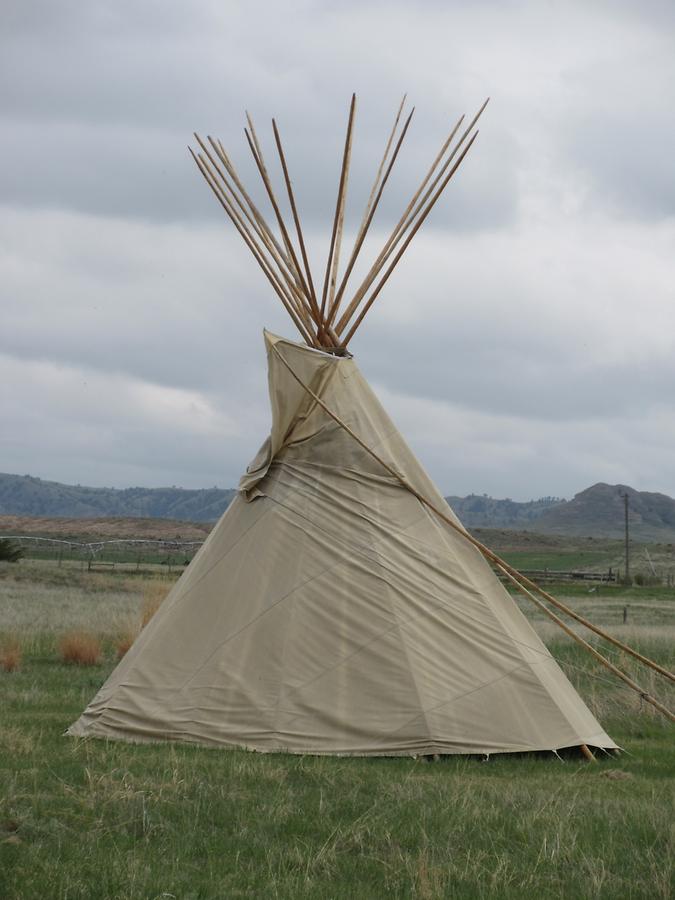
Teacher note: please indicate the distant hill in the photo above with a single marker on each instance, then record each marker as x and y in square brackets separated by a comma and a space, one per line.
[24, 495]
[481, 511]
[599, 511]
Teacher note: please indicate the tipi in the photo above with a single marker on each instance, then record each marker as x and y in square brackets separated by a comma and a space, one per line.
[331, 611]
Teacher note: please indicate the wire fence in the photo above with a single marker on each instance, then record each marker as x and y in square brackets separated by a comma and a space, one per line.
[174, 555]
[129, 554]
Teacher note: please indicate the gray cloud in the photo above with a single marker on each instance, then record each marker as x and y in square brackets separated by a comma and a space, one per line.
[525, 343]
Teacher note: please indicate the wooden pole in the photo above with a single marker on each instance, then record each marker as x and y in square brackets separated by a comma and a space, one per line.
[285, 269]
[591, 649]
[340, 226]
[427, 177]
[249, 215]
[520, 580]
[408, 217]
[256, 152]
[362, 235]
[447, 162]
[396, 233]
[290, 291]
[227, 162]
[275, 206]
[279, 255]
[296, 219]
[306, 336]
[378, 174]
[338, 204]
[406, 243]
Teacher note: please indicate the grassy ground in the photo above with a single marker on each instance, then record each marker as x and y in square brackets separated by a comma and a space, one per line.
[90, 819]
[529, 550]
[571, 561]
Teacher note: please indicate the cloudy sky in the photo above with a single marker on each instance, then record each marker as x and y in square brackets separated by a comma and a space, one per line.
[525, 346]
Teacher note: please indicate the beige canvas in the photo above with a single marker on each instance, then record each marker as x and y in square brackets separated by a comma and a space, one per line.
[330, 612]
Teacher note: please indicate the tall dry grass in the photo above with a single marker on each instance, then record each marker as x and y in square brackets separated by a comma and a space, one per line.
[10, 654]
[154, 594]
[124, 642]
[80, 648]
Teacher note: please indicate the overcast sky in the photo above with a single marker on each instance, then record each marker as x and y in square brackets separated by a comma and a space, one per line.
[524, 346]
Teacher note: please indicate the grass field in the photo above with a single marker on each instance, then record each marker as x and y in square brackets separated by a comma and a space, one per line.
[529, 550]
[90, 819]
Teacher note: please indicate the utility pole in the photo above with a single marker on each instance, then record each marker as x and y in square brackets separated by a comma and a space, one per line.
[625, 503]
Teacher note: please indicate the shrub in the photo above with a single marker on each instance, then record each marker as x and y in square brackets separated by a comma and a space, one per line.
[80, 648]
[10, 655]
[9, 551]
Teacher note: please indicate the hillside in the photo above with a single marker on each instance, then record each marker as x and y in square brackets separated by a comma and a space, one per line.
[599, 510]
[481, 511]
[24, 495]
[596, 511]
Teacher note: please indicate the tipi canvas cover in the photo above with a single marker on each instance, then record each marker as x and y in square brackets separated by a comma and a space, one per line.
[330, 612]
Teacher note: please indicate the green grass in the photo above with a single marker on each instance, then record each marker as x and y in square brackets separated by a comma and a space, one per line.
[607, 591]
[558, 560]
[90, 819]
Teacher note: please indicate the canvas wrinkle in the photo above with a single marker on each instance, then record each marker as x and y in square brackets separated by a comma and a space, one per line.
[366, 645]
[282, 686]
[148, 634]
[439, 601]
[388, 530]
[336, 502]
[411, 668]
[224, 556]
[256, 619]
[180, 688]
[492, 606]
[380, 560]
[475, 690]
